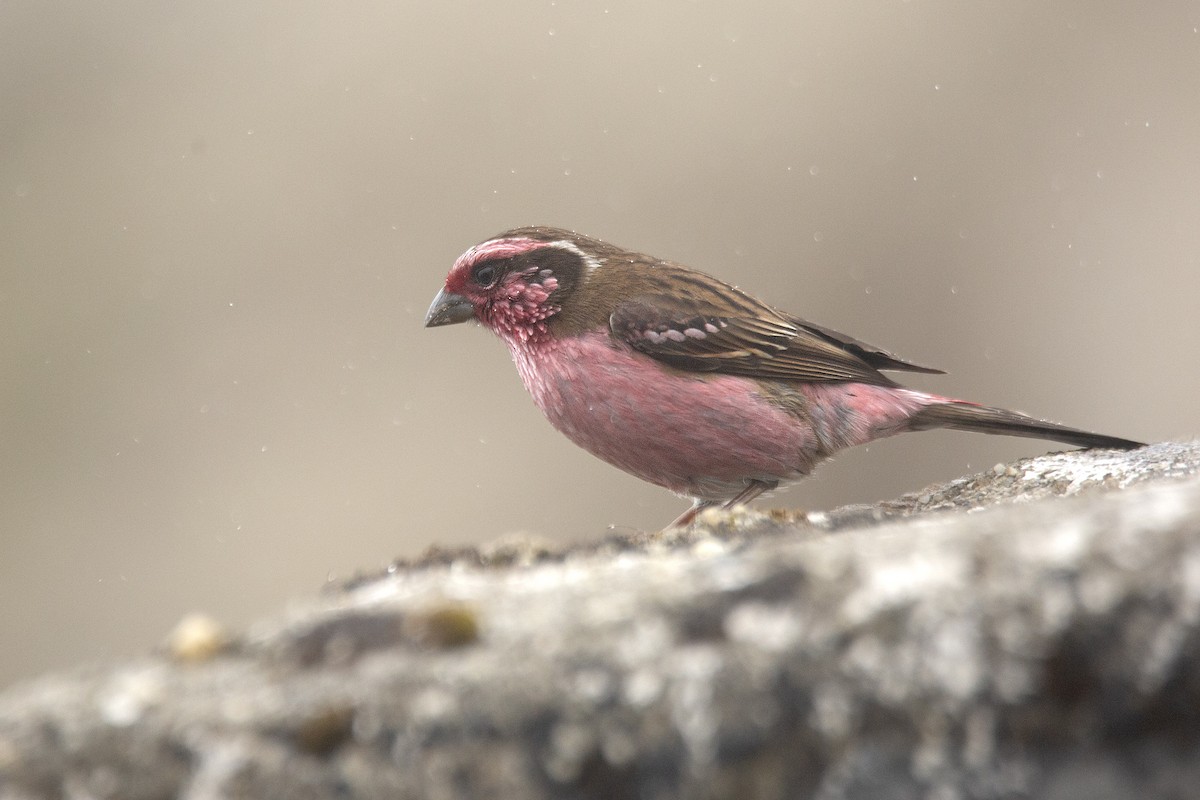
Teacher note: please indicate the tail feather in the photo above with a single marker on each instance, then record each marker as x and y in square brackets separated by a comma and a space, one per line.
[963, 416]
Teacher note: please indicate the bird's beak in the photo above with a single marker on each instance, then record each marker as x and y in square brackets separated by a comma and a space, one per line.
[447, 309]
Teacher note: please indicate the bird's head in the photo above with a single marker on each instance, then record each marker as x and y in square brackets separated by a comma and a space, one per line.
[516, 283]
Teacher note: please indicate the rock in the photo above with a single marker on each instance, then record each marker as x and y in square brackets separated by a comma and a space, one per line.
[1045, 644]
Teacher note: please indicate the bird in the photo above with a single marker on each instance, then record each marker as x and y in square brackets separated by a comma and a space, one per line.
[686, 381]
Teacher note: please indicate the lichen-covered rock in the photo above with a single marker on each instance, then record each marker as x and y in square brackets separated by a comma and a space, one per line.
[1044, 646]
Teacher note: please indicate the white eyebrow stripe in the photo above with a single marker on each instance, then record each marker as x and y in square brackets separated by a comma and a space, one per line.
[591, 263]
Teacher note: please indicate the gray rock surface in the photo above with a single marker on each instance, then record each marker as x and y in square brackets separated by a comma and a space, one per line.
[1033, 631]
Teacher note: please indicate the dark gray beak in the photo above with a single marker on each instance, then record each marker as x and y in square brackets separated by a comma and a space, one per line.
[448, 309]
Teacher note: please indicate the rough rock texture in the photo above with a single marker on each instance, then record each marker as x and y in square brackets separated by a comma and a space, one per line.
[1033, 631]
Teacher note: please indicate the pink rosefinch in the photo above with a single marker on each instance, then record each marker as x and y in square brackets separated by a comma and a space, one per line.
[688, 382]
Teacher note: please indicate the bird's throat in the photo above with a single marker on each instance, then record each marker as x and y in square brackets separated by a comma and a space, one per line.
[519, 316]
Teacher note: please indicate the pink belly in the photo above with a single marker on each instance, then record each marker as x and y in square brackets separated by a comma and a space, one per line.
[700, 436]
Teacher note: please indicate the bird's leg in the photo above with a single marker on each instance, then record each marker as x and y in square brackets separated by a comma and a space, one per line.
[689, 516]
[752, 490]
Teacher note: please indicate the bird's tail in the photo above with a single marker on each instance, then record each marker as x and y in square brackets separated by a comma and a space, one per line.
[963, 416]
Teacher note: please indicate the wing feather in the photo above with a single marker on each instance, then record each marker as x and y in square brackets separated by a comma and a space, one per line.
[714, 327]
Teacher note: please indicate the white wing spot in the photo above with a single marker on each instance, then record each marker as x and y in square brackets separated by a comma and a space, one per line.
[674, 335]
[708, 326]
[694, 333]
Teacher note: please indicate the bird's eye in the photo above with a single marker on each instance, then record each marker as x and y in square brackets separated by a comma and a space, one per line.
[484, 275]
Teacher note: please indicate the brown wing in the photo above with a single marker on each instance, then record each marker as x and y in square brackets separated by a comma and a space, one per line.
[876, 357]
[714, 327]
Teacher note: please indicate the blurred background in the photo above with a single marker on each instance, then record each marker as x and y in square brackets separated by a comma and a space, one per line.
[221, 225]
